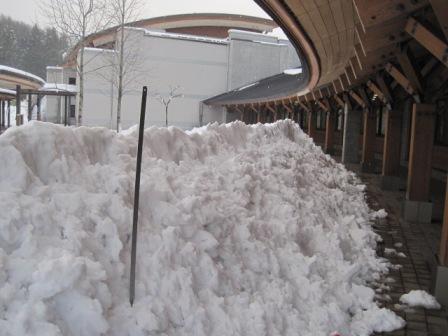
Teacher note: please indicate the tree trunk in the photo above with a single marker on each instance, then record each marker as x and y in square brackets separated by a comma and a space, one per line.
[81, 87]
[166, 115]
[120, 71]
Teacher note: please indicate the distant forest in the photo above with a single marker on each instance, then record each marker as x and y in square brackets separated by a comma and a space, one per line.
[28, 47]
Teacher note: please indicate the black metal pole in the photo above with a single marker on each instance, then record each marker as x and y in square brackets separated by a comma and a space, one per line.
[137, 195]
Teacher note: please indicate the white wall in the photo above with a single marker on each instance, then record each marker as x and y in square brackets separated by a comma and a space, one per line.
[254, 56]
[200, 67]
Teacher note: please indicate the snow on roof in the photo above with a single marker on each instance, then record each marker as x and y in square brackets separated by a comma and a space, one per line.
[50, 67]
[59, 87]
[21, 73]
[295, 71]
[195, 38]
[6, 91]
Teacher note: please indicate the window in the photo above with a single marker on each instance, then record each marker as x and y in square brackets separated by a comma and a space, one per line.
[72, 111]
[381, 119]
[320, 120]
[72, 81]
[340, 121]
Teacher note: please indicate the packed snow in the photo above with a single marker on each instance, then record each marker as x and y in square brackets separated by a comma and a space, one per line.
[244, 230]
[420, 298]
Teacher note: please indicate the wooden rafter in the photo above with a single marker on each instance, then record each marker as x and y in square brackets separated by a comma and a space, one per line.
[407, 65]
[383, 87]
[303, 106]
[343, 79]
[357, 98]
[322, 105]
[339, 101]
[401, 79]
[428, 40]
[347, 100]
[440, 8]
[376, 90]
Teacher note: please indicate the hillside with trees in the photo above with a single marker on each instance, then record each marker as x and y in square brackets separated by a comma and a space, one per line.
[30, 47]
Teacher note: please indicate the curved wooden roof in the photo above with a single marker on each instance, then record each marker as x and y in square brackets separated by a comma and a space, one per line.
[10, 77]
[346, 42]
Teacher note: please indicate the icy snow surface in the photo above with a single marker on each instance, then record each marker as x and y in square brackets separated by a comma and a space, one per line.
[420, 298]
[244, 230]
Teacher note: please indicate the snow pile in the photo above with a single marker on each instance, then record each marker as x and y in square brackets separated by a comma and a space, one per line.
[244, 230]
[420, 298]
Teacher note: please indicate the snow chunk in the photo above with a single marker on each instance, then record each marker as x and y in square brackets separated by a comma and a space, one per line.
[420, 298]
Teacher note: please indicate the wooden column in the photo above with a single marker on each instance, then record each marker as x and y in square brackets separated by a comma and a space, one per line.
[9, 113]
[368, 140]
[420, 158]
[392, 144]
[2, 113]
[30, 109]
[18, 107]
[311, 122]
[39, 98]
[443, 255]
[329, 132]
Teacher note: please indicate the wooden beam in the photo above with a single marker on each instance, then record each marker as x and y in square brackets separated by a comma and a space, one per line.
[401, 79]
[357, 99]
[322, 105]
[304, 106]
[428, 40]
[376, 90]
[392, 143]
[343, 79]
[383, 87]
[339, 101]
[364, 96]
[350, 75]
[406, 64]
[440, 8]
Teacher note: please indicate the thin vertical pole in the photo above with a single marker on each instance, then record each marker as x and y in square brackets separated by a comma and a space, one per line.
[137, 195]
[9, 113]
[18, 105]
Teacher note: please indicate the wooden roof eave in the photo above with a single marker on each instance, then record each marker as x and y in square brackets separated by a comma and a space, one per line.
[281, 13]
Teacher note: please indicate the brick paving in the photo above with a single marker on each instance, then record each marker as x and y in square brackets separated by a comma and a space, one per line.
[419, 243]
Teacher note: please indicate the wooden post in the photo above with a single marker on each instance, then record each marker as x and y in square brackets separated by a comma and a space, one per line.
[30, 111]
[38, 107]
[9, 113]
[18, 107]
[392, 140]
[65, 111]
[329, 132]
[420, 158]
[443, 255]
[311, 122]
[368, 141]
[2, 110]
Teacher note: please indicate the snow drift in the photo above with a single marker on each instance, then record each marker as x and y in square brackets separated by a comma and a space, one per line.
[244, 230]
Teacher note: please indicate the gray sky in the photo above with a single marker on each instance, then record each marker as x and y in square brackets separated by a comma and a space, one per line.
[28, 10]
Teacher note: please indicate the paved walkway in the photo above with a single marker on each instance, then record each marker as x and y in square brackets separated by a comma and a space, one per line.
[419, 243]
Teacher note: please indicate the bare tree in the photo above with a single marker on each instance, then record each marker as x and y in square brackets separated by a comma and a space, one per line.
[166, 101]
[126, 63]
[77, 19]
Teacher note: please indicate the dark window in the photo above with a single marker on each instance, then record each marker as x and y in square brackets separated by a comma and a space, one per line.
[320, 120]
[72, 111]
[340, 121]
[381, 121]
[441, 136]
[72, 81]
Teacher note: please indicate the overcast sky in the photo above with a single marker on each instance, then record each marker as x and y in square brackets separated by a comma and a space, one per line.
[28, 10]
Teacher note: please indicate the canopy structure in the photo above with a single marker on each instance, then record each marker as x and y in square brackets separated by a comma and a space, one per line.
[11, 77]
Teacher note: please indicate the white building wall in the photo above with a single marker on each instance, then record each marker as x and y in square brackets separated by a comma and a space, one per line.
[255, 56]
[200, 67]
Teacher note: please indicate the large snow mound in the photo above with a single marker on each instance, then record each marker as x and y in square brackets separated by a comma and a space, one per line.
[244, 230]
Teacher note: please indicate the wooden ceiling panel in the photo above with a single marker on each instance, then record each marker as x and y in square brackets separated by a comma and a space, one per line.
[376, 12]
